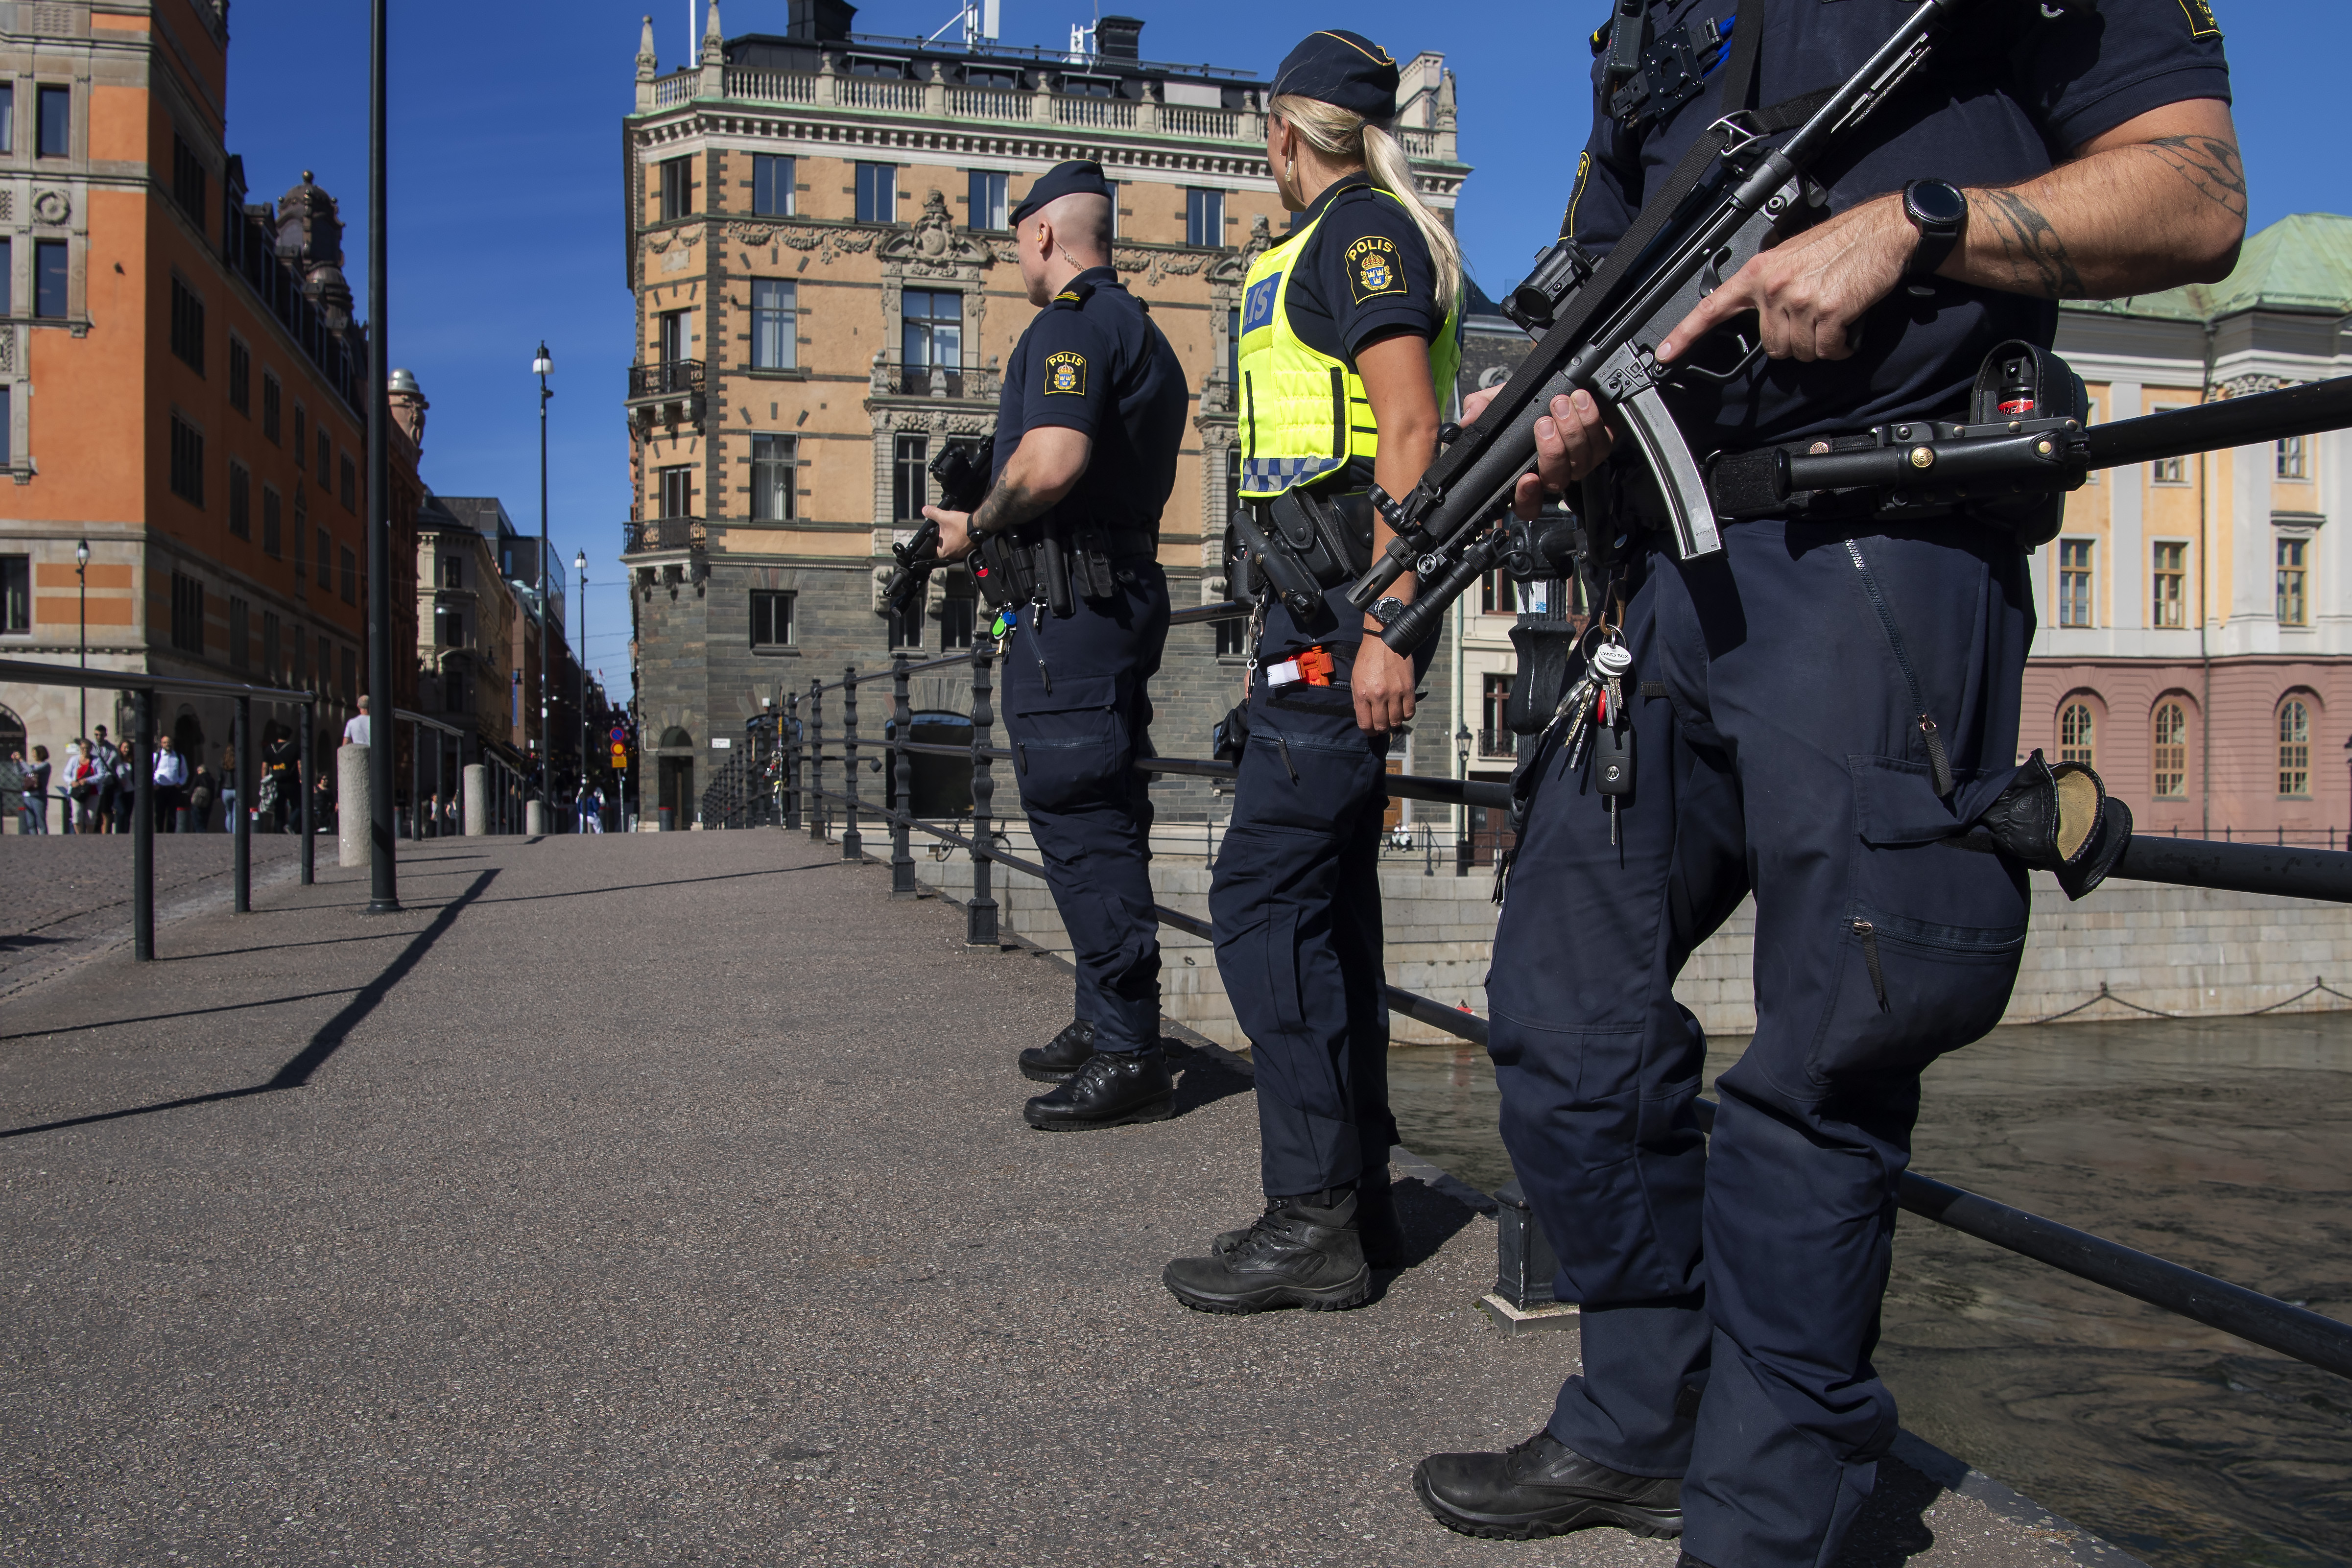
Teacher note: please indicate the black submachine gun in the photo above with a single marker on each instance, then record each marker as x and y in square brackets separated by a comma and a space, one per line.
[1743, 186]
[962, 470]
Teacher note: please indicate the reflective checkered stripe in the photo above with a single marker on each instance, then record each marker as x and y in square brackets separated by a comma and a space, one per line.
[1303, 413]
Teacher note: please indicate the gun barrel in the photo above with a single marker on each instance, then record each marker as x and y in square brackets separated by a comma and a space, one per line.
[2213, 426]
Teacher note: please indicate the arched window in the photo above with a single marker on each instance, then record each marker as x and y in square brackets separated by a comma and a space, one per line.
[2074, 733]
[2294, 748]
[2171, 750]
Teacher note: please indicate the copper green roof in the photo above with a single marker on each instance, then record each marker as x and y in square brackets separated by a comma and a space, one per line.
[2302, 264]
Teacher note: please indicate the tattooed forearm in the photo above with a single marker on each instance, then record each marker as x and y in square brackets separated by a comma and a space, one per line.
[1009, 505]
[2036, 257]
[2210, 165]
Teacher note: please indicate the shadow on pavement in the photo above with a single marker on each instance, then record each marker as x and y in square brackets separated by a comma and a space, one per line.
[322, 1045]
[183, 1012]
[680, 883]
[1205, 1077]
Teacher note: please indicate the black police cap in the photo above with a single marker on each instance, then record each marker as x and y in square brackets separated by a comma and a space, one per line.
[1341, 68]
[1079, 177]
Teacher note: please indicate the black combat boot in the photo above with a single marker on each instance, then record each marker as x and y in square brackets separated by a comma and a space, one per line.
[1302, 1252]
[1687, 1561]
[1110, 1088]
[1376, 1228]
[1542, 1487]
[1059, 1058]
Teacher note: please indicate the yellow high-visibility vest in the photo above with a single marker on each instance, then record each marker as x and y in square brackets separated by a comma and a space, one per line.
[1303, 413]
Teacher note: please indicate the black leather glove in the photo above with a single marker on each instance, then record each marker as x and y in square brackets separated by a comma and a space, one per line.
[2060, 819]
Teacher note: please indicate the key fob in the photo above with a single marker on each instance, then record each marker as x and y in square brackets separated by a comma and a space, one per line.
[1613, 760]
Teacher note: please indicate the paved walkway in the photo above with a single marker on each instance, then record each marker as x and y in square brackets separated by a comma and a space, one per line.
[665, 1199]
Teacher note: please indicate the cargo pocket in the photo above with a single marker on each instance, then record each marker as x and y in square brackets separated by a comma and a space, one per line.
[1070, 745]
[1929, 942]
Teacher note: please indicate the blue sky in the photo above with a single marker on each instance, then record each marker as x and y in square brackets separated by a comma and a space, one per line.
[506, 217]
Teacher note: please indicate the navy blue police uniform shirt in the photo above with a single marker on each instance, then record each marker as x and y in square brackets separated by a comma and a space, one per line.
[1367, 276]
[2009, 93]
[1103, 368]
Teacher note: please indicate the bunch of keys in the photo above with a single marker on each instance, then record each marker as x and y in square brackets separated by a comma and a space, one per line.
[1595, 706]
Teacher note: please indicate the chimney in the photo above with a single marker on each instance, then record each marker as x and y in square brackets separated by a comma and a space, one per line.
[1118, 38]
[819, 21]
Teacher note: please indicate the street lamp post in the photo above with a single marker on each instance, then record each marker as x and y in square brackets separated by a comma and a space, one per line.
[539, 367]
[580, 564]
[384, 885]
[81, 576]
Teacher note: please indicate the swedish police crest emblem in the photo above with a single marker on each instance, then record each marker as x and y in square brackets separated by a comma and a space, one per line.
[1372, 267]
[1066, 372]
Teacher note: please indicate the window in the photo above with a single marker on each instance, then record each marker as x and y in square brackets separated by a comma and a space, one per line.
[2294, 459]
[49, 278]
[1232, 637]
[53, 122]
[2294, 748]
[302, 543]
[2167, 471]
[1498, 594]
[1205, 218]
[448, 626]
[240, 633]
[2074, 582]
[8, 117]
[271, 397]
[2074, 740]
[772, 620]
[2294, 609]
[909, 470]
[1117, 193]
[187, 326]
[187, 613]
[188, 180]
[988, 200]
[774, 324]
[272, 635]
[957, 612]
[326, 459]
[301, 437]
[351, 575]
[350, 671]
[2171, 750]
[187, 462]
[240, 500]
[7, 277]
[240, 375]
[677, 188]
[906, 622]
[1495, 738]
[878, 193]
[16, 593]
[677, 485]
[271, 504]
[930, 342]
[326, 559]
[2172, 573]
[673, 335]
[451, 572]
[772, 185]
[773, 466]
[1233, 357]
[350, 483]
[2090, 418]
[8, 425]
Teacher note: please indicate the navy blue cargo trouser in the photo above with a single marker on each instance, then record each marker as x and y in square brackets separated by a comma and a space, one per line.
[1296, 905]
[1078, 716]
[1731, 1286]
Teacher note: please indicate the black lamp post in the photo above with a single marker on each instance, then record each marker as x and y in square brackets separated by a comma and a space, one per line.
[580, 564]
[1466, 853]
[384, 887]
[81, 576]
[539, 367]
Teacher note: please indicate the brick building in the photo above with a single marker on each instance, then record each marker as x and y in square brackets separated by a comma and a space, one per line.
[180, 382]
[818, 246]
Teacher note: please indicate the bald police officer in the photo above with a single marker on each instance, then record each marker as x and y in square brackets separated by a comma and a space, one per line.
[1818, 705]
[1091, 415]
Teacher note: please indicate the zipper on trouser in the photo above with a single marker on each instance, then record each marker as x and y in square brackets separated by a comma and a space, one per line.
[1936, 759]
[1869, 934]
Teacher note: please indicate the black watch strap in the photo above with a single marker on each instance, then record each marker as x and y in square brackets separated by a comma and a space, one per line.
[1939, 211]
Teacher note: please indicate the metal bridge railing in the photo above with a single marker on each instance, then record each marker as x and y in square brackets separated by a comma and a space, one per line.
[807, 800]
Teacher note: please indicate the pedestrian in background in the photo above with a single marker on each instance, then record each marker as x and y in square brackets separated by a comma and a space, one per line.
[79, 813]
[228, 789]
[33, 812]
[355, 732]
[281, 780]
[203, 789]
[103, 755]
[171, 779]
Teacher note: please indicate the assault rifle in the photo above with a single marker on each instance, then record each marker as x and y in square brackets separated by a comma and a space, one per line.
[962, 470]
[1743, 186]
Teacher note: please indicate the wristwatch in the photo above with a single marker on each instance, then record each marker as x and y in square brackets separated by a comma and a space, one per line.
[1938, 210]
[1386, 610]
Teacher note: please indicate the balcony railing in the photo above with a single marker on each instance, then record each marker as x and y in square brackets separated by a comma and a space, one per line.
[1099, 113]
[664, 533]
[932, 381]
[671, 378]
[1498, 743]
[893, 378]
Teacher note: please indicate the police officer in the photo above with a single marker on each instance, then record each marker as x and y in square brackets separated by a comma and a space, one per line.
[1348, 342]
[1816, 704]
[1088, 428]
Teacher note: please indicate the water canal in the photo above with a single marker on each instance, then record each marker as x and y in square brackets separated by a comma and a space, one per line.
[2220, 1144]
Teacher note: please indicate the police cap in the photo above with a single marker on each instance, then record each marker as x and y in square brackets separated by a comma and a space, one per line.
[1344, 69]
[1079, 177]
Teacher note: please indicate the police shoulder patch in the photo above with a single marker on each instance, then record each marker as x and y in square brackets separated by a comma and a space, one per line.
[2201, 23]
[1373, 269]
[1066, 372]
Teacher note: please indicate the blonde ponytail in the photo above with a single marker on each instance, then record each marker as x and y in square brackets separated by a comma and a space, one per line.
[1347, 138]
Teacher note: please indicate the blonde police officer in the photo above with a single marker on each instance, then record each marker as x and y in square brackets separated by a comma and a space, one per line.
[1347, 354]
